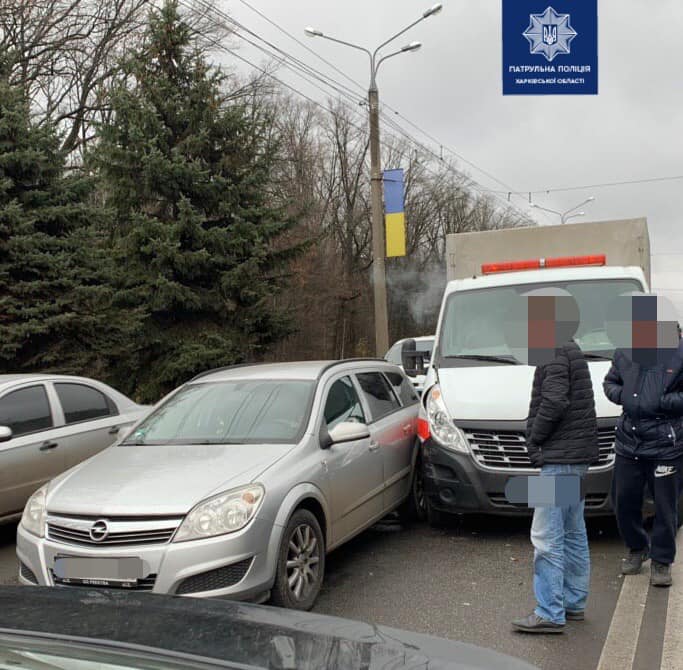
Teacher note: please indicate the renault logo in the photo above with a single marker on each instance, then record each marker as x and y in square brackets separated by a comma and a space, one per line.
[99, 531]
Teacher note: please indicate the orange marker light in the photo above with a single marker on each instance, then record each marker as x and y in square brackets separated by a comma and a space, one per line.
[538, 263]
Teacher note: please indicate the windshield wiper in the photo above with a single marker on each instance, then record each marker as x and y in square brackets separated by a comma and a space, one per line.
[480, 357]
[596, 357]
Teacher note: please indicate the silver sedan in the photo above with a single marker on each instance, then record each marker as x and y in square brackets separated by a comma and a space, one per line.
[48, 423]
[236, 485]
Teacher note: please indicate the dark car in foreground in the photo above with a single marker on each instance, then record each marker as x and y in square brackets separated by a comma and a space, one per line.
[43, 628]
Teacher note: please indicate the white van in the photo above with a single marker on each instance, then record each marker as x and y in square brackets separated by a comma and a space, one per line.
[476, 398]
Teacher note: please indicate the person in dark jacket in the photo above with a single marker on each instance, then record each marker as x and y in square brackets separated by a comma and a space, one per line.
[647, 381]
[562, 440]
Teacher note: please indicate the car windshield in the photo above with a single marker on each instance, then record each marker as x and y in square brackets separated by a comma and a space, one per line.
[473, 323]
[230, 412]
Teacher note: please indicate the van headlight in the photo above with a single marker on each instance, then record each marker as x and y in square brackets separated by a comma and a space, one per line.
[33, 518]
[225, 513]
[441, 426]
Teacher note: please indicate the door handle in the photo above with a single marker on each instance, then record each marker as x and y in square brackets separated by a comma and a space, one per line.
[374, 446]
[407, 428]
[114, 430]
[46, 446]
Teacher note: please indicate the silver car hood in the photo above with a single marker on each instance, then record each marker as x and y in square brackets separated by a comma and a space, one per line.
[157, 480]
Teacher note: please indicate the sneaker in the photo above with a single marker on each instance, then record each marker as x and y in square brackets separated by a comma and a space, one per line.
[574, 615]
[660, 574]
[536, 624]
[632, 564]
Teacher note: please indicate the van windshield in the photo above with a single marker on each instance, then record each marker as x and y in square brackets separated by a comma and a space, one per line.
[473, 322]
[234, 412]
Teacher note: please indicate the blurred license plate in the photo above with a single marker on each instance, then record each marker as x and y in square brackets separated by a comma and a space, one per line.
[123, 572]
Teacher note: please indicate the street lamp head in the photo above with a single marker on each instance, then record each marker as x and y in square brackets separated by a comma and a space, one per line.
[432, 11]
[413, 46]
[591, 199]
[313, 32]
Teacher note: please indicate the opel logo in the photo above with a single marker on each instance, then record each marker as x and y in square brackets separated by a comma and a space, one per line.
[99, 531]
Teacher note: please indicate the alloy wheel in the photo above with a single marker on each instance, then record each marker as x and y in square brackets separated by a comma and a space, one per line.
[303, 562]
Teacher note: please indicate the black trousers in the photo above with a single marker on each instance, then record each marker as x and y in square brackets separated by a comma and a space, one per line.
[664, 480]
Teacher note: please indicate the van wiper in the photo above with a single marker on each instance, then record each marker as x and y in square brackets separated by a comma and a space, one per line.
[480, 357]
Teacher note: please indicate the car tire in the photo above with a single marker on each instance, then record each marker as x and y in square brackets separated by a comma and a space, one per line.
[300, 564]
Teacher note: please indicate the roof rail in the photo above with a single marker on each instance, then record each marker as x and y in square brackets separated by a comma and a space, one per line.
[324, 369]
[225, 367]
[341, 361]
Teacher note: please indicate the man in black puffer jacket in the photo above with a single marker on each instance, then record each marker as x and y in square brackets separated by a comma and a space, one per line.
[649, 450]
[562, 425]
[562, 439]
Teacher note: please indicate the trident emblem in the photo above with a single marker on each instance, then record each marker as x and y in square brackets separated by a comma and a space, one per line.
[550, 34]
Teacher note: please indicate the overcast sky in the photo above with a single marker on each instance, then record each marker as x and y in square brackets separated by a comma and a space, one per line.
[452, 88]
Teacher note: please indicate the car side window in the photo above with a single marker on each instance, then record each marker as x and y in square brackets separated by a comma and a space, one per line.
[343, 404]
[403, 388]
[26, 410]
[83, 403]
[378, 393]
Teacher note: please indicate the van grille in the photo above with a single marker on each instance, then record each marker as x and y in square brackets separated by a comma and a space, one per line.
[593, 500]
[506, 449]
[119, 532]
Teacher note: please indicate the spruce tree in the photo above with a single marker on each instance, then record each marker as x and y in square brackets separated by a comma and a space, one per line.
[187, 172]
[55, 303]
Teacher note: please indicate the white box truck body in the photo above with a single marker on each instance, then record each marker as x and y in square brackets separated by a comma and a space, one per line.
[474, 440]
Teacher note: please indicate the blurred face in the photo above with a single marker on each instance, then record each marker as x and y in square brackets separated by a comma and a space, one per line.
[540, 323]
[645, 327]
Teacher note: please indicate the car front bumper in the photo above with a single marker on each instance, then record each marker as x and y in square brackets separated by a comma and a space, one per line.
[454, 483]
[238, 566]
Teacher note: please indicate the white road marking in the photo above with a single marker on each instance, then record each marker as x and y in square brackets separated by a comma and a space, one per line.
[619, 650]
[672, 651]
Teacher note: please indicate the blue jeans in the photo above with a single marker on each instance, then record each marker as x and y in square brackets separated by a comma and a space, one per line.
[561, 557]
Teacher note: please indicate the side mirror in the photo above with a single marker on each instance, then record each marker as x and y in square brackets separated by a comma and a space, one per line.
[347, 431]
[411, 359]
[5, 434]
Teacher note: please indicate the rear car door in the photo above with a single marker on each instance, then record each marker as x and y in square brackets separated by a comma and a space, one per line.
[91, 418]
[398, 457]
[34, 454]
[354, 469]
[386, 429]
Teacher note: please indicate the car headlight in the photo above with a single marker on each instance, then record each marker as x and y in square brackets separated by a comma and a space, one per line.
[33, 518]
[225, 513]
[441, 426]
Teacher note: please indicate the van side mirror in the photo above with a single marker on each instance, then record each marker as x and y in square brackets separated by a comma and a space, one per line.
[347, 431]
[5, 434]
[412, 360]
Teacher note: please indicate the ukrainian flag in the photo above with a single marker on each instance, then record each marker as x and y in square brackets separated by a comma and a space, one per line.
[395, 218]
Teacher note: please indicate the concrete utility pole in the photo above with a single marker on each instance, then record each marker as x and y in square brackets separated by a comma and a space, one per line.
[565, 216]
[379, 279]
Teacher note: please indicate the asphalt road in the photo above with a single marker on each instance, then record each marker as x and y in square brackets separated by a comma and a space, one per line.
[465, 582]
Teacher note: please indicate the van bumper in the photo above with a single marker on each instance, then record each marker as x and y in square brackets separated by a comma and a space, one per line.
[455, 484]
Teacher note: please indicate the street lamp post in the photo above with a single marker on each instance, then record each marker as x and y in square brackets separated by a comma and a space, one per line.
[565, 216]
[378, 249]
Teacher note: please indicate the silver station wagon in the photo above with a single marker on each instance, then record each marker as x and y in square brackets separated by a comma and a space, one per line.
[236, 485]
[49, 423]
